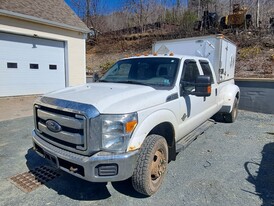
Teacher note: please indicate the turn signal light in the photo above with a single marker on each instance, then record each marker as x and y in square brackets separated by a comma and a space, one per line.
[130, 126]
[209, 89]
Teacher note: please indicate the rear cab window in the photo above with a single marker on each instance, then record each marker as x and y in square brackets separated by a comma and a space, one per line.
[206, 69]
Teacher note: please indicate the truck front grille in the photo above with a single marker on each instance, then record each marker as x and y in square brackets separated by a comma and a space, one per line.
[61, 128]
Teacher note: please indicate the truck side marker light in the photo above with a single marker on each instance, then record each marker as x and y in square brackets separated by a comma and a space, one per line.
[221, 36]
[132, 147]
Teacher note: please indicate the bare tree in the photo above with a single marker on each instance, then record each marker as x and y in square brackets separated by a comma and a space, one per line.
[144, 11]
[88, 11]
[79, 7]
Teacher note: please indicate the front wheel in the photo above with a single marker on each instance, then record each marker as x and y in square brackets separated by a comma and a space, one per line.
[232, 116]
[151, 165]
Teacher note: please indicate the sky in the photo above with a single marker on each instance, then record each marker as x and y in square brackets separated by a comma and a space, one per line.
[110, 6]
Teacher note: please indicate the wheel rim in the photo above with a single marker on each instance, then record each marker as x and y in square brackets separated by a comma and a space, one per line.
[158, 166]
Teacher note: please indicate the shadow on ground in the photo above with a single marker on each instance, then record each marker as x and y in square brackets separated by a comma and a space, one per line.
[264, 180]
[76, 188]
[125, 187]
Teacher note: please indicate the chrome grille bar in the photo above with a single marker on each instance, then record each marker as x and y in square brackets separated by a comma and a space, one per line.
[73, 138]
[63, 120]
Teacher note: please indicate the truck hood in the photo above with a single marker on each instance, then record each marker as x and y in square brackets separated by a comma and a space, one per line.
[113, 98]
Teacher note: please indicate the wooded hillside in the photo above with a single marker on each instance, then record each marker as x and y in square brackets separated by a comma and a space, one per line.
[138, 23]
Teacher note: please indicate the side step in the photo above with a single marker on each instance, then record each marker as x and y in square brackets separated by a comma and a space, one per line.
[185, 141]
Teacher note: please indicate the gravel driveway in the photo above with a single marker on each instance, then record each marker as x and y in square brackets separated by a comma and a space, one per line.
[16, 107]
[230, 164]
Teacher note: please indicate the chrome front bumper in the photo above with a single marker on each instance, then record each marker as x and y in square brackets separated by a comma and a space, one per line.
[100, 167]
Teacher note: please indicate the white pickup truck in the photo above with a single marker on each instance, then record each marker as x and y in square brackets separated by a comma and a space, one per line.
[134, 119]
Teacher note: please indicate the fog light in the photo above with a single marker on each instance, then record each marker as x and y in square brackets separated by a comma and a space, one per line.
[106, 170]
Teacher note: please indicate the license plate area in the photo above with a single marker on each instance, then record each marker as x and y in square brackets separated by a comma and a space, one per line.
[46, 155]
[50, 157]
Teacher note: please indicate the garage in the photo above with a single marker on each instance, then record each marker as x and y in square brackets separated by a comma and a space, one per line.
[42, 47]
[30, 65]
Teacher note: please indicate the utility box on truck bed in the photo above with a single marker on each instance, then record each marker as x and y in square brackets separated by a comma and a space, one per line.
[220, 51]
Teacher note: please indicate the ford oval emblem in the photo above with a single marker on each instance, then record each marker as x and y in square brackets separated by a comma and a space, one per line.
[53, 126]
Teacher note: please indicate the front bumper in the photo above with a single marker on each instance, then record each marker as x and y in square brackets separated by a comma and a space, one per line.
[100, 167]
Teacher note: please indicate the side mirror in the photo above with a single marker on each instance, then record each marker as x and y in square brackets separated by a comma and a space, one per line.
[202, 86]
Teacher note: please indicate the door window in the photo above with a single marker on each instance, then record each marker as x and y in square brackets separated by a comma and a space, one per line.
[189, 75]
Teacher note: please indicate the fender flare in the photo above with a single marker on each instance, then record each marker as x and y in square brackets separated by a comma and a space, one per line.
[228, 95]
[146, 125]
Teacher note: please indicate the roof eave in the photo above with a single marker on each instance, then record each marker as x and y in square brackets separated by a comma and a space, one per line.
[42, 21]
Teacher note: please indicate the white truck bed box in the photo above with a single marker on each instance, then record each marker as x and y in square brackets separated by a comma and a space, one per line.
[220, 51]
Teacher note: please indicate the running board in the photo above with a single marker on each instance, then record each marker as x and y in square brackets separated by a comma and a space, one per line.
[185, 141]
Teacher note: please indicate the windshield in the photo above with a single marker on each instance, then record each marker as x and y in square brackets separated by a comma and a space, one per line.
[154, 71]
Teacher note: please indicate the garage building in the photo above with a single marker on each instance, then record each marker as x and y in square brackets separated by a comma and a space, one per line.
[42, 47]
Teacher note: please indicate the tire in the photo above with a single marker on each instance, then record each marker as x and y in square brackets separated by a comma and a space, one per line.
[151, 165]
[232, 116]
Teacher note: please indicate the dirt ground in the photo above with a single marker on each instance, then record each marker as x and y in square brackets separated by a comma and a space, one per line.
[16, 107]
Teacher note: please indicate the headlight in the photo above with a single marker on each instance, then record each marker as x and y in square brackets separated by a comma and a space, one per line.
[117, 130]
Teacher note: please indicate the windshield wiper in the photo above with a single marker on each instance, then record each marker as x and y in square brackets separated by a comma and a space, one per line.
[133, 82]
[127, 82]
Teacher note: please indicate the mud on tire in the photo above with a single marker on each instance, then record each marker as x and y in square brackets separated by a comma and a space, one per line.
[151, 165]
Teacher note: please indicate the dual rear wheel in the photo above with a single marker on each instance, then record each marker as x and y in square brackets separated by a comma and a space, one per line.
[232, 116]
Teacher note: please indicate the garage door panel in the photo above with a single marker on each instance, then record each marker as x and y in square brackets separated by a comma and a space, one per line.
[27, 90]
[31, 79]
[27, 41]
[33, 57]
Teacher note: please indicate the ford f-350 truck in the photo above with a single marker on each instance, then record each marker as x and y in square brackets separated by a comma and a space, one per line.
[134, 119]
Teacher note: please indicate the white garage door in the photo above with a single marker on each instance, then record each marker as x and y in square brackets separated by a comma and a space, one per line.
[30, 65]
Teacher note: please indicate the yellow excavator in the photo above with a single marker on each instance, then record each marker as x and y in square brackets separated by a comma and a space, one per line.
[238, 19]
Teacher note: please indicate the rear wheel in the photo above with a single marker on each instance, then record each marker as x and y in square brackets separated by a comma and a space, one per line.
[232, 116]
[151, 165]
